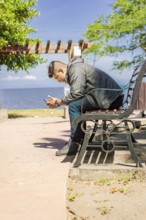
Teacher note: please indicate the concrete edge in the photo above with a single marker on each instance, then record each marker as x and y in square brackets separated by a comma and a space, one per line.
[94, 172]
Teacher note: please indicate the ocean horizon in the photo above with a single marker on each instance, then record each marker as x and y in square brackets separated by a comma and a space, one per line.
[31, 98]
[28, 98]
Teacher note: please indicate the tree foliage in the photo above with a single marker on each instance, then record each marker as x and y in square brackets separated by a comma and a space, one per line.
[15, 16]
[124, 30]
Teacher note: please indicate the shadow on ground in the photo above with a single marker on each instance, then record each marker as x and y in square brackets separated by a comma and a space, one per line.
[55, 143]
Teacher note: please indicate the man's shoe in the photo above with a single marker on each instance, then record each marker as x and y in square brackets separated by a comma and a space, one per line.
[68, 149]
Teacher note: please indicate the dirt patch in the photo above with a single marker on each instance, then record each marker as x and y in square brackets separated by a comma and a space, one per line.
[121, 198]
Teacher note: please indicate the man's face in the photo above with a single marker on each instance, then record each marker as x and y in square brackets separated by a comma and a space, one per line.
[59, 76]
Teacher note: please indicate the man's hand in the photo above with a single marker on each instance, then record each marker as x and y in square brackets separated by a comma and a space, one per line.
[51, 103]
[54, 102]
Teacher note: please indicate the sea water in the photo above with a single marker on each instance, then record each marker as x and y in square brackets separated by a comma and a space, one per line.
[29, 98]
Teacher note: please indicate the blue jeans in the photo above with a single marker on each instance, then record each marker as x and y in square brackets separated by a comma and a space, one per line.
[75, 109]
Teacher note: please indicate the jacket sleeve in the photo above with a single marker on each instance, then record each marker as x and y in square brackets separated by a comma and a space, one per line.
[77, 81]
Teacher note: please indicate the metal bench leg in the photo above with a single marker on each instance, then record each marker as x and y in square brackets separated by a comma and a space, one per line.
[130, 142]
[136, 158]
[94, 131]
[82, 150]
[133, 139]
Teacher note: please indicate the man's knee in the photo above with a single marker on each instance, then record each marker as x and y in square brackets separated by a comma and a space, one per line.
[74, 106]
[71, 105]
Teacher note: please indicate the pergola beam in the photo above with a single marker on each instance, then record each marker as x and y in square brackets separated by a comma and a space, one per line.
[47, 48]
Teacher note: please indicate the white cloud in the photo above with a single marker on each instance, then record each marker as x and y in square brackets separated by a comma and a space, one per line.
[30, 77]
[11, 78]
[16, 78]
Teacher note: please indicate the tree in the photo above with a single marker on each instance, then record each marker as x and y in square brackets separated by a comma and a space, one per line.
[120, 32]
[15, 16]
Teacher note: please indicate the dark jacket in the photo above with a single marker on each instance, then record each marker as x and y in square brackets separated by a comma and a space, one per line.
[86, 80]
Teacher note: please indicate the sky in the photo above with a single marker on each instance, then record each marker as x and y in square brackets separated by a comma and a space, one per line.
[60, 20]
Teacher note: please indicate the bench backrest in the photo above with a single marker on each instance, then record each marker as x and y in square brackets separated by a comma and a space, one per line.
[133, 89]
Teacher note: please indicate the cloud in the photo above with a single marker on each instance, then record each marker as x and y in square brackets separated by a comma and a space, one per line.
[16, 78]
[30, 77]
[12, 78]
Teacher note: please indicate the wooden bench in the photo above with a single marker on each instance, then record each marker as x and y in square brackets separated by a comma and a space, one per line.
[108, 129]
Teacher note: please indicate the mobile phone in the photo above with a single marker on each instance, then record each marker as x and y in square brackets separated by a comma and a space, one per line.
[45, 100]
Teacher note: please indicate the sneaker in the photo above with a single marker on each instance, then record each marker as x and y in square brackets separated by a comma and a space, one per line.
[68, 149]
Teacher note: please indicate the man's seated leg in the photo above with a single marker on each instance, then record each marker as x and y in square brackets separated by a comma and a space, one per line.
[70, 148]
[77, 134]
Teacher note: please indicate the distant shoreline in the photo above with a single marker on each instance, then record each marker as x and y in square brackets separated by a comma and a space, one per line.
[49, 87]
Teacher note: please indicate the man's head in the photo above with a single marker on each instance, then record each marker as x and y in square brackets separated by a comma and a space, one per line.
[57, 70]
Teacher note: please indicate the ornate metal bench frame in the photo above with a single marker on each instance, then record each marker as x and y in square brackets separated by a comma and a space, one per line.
[110, 123]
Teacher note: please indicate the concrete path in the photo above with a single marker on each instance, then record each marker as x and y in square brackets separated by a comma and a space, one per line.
[32, 178]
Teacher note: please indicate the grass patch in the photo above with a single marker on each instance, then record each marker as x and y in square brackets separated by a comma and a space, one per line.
[35, 113]
[72, 197]
[105, 210]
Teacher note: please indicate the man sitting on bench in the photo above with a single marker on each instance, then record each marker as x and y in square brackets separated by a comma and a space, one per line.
[90, 89]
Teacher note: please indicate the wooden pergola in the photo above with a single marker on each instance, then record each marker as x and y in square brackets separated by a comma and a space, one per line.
[47, 48]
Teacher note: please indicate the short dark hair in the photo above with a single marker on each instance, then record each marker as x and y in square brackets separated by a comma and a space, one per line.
[51, 69]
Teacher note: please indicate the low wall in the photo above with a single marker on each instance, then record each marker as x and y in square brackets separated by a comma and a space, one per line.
[3, 114]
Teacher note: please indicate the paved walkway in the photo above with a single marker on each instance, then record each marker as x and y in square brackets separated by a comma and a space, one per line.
[32, 179]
